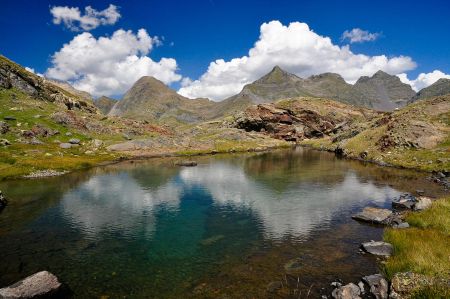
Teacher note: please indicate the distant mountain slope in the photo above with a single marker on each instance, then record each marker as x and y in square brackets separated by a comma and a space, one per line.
[381, 91]
[384, 91]
[15, 76]
[151, 99]
[438, 88]
[69, 88]
[104, 104]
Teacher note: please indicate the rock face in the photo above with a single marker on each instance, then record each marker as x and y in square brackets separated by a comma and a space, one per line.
[378, 285]
[378, 248]
[373, 215]
[40, 285]
[349, 291]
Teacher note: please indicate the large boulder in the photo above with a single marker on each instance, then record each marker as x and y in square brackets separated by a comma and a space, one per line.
[349, 291]
[422, 203]
[378, 248]
[39, 285]
[378, 285]
[373, 215]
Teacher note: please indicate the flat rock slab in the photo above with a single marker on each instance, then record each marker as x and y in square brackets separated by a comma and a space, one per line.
[378, 248]
[378, 285]
[373, 215]
[40, 285]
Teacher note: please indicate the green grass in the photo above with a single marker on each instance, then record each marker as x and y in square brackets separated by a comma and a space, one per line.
[424, 247]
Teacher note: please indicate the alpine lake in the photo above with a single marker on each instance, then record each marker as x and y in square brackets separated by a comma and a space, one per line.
[255, 225]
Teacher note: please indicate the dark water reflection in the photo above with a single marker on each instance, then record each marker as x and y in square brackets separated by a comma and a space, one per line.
[222, 229]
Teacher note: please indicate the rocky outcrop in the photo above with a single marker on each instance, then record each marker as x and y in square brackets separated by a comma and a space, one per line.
[303, 118]
[438, 88]
[14, 76]
[40, 285]
[378, 248]
[373, 215]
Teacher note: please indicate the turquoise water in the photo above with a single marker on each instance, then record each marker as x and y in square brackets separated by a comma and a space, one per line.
[223, 229]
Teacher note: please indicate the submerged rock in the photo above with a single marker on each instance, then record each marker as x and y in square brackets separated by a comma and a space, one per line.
[39, 285]
[378, 285]
[187, 163]
[378, 248]
[349, 291]
[293, 266]
[373, 215]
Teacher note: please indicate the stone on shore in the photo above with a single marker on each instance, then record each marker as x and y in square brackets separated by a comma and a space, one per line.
[378, 248]
[349, 291]
[378, 285]
[422, 203]
[39, 285]
[373, 215]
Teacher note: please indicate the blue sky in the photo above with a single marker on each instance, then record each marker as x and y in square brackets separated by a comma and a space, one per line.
[196, 33]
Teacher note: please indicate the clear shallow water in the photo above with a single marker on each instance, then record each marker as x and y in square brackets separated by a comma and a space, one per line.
[223, 229]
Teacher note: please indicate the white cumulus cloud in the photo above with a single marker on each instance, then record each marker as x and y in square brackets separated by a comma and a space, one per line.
[424, 79]
[110, 65]
[295, 48]
[357, 35]
[73, 19]
[31, 70]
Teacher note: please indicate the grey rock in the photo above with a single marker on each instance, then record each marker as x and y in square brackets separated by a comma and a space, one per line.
[378, 285]
[39, 285]
[68, 134]
[35, 141]
[74, 141]
[9, 118]
[401, 225]
[349, 291]
[373, 215]
[126, 136]
[378, 248]
[65, 145]
[404, 202]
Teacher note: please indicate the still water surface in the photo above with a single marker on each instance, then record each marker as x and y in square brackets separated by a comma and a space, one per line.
[223, 229]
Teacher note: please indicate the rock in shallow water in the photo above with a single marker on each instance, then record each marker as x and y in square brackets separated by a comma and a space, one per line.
[373, 215]
[39, 285]
[404, 202]
[187, 163]
[378, 248]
